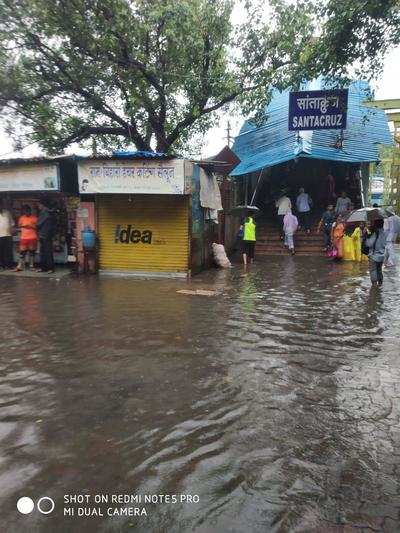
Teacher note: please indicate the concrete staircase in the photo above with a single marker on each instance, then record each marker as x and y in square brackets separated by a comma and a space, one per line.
[269, 242]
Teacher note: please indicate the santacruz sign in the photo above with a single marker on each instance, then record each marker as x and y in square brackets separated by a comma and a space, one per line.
[318, 110]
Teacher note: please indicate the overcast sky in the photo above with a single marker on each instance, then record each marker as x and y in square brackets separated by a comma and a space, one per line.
[387, 86]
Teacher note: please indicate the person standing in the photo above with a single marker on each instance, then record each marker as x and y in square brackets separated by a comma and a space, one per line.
[326, 222]
[29, 238]
[343, 204]
[337, 235]
[391, 227]
[304, 204]
[45, 226]
[283, 205]
[6, 242]
[249, 239]
[330, 189]
[376, 244]
[290, 225]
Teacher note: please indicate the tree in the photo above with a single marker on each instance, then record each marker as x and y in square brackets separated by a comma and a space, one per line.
[152, 73]
[356, 33]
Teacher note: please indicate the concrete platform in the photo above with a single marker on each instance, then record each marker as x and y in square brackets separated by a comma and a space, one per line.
[59, 273]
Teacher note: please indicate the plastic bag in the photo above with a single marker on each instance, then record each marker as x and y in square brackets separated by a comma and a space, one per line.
[332, 252]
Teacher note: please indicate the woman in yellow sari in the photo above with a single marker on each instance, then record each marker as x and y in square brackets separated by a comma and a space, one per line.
[352, 245]
[348, 247]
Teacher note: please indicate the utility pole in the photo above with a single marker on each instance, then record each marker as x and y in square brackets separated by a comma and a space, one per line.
[228, 133]
[94, 147]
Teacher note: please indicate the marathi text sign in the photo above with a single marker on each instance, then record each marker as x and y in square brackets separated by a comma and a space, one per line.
[132, 177]
[29, 178]
[318, 110]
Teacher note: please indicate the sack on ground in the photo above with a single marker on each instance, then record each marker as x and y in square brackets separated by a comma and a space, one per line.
[220, 256]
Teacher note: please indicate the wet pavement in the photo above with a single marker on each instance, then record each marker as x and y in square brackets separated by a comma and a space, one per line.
[274, 403]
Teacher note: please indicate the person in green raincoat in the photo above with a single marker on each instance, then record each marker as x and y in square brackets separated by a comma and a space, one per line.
[249, 239]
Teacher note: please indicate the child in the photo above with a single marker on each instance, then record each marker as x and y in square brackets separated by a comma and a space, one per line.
[290, 225]
[326, 222]
[249, 239]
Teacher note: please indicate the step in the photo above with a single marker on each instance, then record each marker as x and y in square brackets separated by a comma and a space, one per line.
[298, 253]
[303, 240]
[285, 251]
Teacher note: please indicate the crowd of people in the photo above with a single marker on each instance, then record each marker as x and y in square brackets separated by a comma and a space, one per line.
[361, 241]
[36, 230]
[289, 223]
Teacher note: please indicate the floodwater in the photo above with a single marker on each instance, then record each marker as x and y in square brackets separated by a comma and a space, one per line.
[272, 406]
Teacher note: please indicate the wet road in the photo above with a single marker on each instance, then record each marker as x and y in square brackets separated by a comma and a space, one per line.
[276, 402]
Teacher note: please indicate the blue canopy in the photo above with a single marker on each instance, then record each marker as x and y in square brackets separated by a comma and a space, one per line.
[273, 143]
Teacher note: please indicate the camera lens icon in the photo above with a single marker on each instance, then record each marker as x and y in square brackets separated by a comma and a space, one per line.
[25, 505]
[45, 505]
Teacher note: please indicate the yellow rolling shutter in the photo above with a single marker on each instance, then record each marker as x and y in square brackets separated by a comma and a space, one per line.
[148, 233]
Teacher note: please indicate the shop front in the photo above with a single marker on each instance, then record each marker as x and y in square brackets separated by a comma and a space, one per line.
[26, 182]
[142, 212]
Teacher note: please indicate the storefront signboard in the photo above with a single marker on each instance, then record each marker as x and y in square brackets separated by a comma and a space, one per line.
[29, 178]
[131, 177]
[318, 110]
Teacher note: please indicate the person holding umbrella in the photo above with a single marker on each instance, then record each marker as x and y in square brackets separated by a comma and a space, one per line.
[374, 241]
[249, 239]
[376, 244]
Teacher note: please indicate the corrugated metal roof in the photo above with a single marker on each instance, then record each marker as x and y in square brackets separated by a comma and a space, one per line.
[273, 143]
[127, 154]
[37, 159]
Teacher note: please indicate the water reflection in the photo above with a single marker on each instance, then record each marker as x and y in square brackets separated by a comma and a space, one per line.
[276, 401]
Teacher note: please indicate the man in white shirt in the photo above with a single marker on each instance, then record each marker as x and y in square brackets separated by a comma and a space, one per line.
[283, 205]
[343, 204]
[391, 227]
[304, 204]
[6, 243]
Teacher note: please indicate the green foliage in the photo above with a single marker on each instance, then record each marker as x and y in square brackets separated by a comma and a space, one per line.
[154, 73]
[356, 33]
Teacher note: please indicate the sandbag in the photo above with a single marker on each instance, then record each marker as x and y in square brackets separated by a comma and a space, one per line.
[220, 256]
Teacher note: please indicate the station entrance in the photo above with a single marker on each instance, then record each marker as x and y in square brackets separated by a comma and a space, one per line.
[323, 180]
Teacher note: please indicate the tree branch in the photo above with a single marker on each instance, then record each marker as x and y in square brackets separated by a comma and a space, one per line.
[86, 131]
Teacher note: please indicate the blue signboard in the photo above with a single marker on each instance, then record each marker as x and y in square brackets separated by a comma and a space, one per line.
[318, 110]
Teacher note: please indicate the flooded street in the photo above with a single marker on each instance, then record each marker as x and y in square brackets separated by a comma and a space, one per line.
[276, 401]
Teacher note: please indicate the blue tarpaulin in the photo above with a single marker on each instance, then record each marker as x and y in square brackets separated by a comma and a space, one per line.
[273, 143]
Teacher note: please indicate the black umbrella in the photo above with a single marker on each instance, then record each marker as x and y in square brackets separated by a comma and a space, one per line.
[367, 214]
[242, 210]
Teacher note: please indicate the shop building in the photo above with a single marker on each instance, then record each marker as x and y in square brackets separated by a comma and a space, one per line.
[147, 212]
[28, 181]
